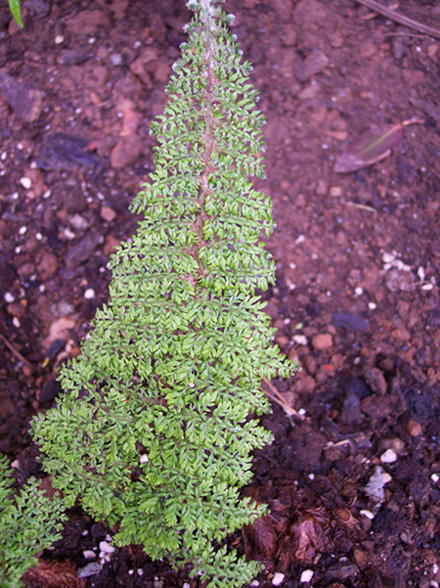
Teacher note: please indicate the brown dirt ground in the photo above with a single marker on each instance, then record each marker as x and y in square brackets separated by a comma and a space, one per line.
[353, 485]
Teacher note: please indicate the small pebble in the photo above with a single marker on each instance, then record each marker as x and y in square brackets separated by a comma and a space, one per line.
[278, 579]
[414, 428]
[47, 194]
[322, 341]
[9, 298]
[358, 291]
[389, 456]
[105, 547]
[372, 305]
[367, 514]
[388, 257]
[435, 478]
[140, 572]
[89, 294]
[306, 576]
[26, 183]
[22, 230]
[130, 572]
[335, 191]
[254, 584]
[300, 339]
[143, 458]
[89, 554]
[16, 322]
[59, 39]
[187, 585]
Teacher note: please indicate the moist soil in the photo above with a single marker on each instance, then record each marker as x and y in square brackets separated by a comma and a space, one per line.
[352, 478]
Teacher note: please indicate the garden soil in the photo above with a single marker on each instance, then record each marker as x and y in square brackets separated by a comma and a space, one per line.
[353, 475]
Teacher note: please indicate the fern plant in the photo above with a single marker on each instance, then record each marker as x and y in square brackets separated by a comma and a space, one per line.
[29, 523]
[153, 433]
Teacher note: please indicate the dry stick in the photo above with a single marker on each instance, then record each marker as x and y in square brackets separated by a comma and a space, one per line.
[277, 397]
[403, 20]
[16, 352]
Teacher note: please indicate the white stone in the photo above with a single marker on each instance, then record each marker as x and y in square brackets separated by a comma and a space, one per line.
[26, 183]
[59, 39]
[278, 579]
[306, 576]
[388, 257]
[22, 230]
[372, 305]
[143, 459]
[300, 339]
[358, 291]
[140, 572]
[254, 584]
[105, 547]
[9, 298]
[389, 456]
[89, 294]
[367, 513]
[435, 478]
[89, 554]
[16, 322]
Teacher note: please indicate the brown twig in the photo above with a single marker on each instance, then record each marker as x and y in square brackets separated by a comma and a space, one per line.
[15, 352]
[400, 18]
[274, 395]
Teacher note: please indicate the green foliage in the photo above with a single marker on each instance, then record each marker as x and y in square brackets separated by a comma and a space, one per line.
[29, 523]
[14, 6]
[153, 433]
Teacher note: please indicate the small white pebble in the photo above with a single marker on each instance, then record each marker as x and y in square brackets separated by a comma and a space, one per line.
[254, 584]
[311, 476]
[140, 572]
[22, 230]
[421, 273]
[3, 156]
[42, 288]
[302, 411]
[89, 554]
[9, 298]
[16, 322]
[367, 514]
[92, 40]
[434, 568]
[292, 265]
[434, 584]
[389, 456]
[38, 236]
[85, 533]
[59, 39]
[14, 196]
[15, 464]
[300, 239]
[372, 305]
[20, 146]
[105, 547]
[89, 294]
[300, 339]
[427, 287]
[130, 572]
[386, 477]
[17, 249]
[26, 183]
[358, 291]
[187, 585]
[47, 194]
[388, 257]
[306, 576]
[435, 478]
[278, 579]
[144, 459]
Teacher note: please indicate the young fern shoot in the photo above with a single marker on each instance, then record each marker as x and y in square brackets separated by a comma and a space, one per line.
[153, 432]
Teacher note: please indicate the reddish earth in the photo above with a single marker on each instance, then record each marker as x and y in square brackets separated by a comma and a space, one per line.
[353, 485]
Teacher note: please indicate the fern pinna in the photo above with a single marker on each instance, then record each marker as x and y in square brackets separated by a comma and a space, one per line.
[153, 432]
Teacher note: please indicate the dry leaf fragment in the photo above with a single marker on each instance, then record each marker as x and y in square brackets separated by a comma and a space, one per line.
[372, 146]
